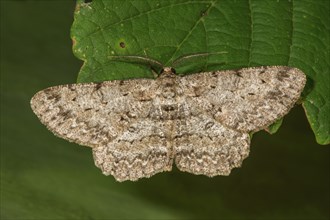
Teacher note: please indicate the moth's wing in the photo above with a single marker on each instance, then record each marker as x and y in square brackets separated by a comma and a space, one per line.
[248, 99]
[98, 115]
[93, 114]
[204, 146]
[141, 151]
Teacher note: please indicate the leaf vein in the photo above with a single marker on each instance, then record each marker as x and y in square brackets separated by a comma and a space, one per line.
[191, 30]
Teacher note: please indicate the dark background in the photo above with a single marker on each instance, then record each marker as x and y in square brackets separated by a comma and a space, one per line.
[286, 175]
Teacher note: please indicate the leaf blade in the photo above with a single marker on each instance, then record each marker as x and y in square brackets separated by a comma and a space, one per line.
[250, 33]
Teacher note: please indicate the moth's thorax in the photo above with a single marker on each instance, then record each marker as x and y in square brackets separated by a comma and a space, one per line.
[167, 72]
[168, 105]
[167, 82]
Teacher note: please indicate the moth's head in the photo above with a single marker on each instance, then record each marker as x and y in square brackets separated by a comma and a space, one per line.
[167, 72]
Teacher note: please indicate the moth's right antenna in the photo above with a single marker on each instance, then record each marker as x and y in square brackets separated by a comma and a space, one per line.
[191, 56]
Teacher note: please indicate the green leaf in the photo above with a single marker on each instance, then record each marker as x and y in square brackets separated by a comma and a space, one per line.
[248, 33]
[272, 129]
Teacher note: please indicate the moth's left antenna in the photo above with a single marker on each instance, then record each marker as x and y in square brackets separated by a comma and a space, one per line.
[138, 59]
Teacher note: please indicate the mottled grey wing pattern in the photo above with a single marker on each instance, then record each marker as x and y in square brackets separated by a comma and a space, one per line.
[110, 117]
[204, 146]
[141, 151]
[224, 107]
[201, 121]
[248, 99]
[93, 113]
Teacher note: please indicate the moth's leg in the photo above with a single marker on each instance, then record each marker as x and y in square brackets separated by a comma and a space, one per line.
[204, 146]
[140, 152]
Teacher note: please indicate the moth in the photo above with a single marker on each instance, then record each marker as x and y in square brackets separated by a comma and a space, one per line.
[201, 122]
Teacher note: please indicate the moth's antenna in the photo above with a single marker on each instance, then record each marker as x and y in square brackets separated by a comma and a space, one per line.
[138, 59]
[190, 56]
